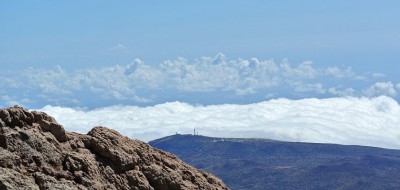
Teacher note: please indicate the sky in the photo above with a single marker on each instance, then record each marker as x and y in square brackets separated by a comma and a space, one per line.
[94, 55]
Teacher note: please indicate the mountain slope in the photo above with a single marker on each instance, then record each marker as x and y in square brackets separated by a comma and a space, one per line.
[266, 164]
[37, 153]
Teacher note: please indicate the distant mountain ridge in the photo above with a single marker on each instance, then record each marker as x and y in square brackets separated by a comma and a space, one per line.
[267, 164]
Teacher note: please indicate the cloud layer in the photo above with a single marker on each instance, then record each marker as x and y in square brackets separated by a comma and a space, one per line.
[150, 84]
[356, 121]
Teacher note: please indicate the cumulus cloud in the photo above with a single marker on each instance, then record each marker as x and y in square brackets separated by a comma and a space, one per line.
[381, 88]
[54, 81]
[355, 121]
[138, 82]
[304, 71]
[340, 73]
[117, 82]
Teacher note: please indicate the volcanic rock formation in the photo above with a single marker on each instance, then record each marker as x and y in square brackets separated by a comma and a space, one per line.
[37, 153]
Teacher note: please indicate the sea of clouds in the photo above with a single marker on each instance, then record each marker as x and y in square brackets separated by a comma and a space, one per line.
[344, 120]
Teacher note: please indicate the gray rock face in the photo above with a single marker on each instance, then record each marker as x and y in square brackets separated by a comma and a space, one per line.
[37, 153]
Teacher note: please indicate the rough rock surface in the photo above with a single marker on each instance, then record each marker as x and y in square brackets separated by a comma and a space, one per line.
[37, 153]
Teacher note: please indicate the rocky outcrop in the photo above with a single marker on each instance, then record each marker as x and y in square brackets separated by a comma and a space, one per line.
[37, 153]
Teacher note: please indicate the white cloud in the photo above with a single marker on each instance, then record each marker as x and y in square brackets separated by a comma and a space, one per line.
[134, 66]
[317, 88]
[304, 71]
[357, 121]
[339, 73]
[11, 101]
[52, 81]
[117, 82]
[358, 77]
[381, 88]
[119, 48]
[378, 75]
[342, 92]
[212, 74]
[139, 82]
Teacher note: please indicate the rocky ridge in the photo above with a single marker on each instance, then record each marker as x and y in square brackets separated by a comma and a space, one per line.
[37, 153]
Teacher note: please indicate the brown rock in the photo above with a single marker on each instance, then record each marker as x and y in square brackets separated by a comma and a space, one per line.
[37, 153]
[11, 179]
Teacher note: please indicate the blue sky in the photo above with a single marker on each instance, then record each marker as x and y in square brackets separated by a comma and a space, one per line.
[101, 53]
